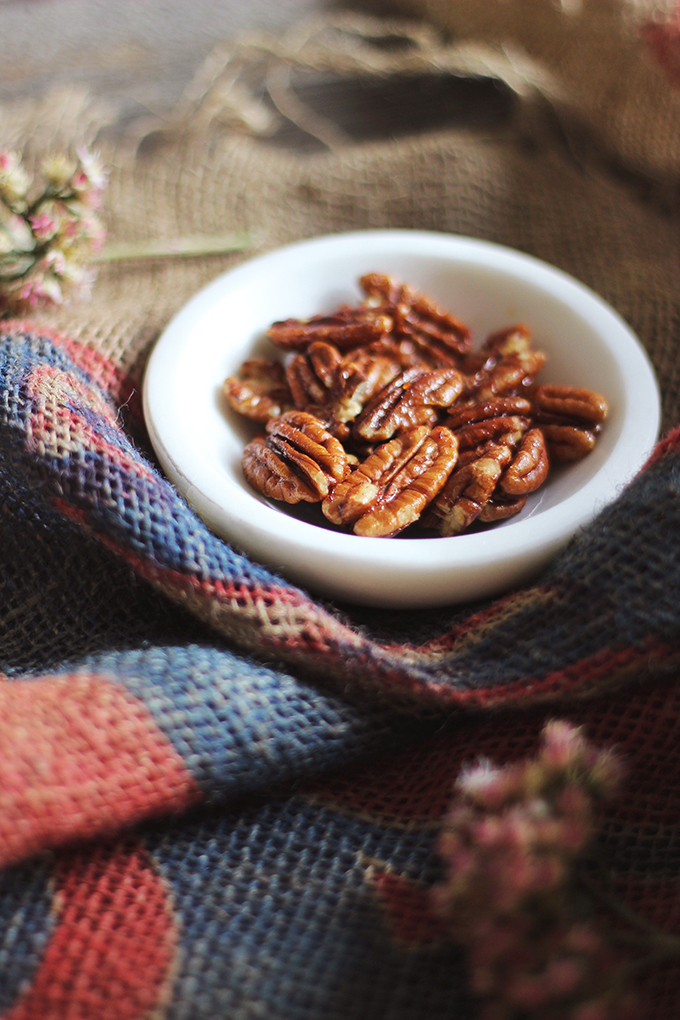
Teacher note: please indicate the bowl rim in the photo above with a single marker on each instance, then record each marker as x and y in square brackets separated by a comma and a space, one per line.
[295, 540]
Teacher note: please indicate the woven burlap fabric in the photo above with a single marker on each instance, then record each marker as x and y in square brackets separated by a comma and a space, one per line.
[580, 176]
[220, 797]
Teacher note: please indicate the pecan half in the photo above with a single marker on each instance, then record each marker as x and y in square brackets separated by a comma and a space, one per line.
[311, 375]
[469, 411]
[360, 376]
[510, 373]
[411, 399]
[437, 336]
[412, 489]
[567, 442]
[260, 391]
[355, 496]
[529, 466]
[507, 429]
[467, 492]
[498, 509]
[297, 460]
[333, 387]
[569, 418]
[346, 328]
[573, 405]
[506, 363]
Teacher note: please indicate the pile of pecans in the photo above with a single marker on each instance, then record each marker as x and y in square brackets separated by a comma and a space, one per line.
[385, 416]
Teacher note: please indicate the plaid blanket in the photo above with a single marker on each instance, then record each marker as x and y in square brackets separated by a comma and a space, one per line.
[221, 798]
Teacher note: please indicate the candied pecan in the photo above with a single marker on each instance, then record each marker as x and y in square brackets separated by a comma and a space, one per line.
[529, 466]
[567, 442]
[297, 460]
[569, 418]
[412, 488]
[411, 399]
[475, 410]
[562, 405]
[507, 429]
[360, 376]
[381, 289]
[355, 496]
[509, 340]
[505, 364]
[333, 387]
[260, 391]
[467, 492]
[510, 373]
[500, 509]
[436, 336]
[402, 351]
[311, 375]
[346, 328]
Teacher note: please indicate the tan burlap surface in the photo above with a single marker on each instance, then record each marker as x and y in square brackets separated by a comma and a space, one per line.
[581, 170]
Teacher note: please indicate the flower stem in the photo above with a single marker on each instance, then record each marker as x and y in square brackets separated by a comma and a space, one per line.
[176, 247]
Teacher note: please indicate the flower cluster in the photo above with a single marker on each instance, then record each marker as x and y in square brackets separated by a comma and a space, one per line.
[510, 846]
[47, 239]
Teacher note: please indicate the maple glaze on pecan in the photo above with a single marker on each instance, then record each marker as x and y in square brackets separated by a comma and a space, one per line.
[412, 489]
[260, 391]
[413, 398]
[296, 460]
[529, 466]
[567, 443]
[468, 491]
[435, 337]
[569, 417]
[347, 328]
[359, 491]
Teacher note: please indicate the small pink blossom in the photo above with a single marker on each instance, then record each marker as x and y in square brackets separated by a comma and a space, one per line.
[44, 226]
[14, 182]
[510, 845]
[47, 241]
[38, 289]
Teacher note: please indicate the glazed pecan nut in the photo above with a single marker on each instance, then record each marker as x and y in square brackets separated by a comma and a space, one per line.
[509, 340]
[507, 429]
[348, 327]
[500, 509]
[310, 376]
[438, 337]
[260, 391]
[512, 372]
[359, 491]
[467, 492]
[359, 378]
[570, 404]
[567, 443]
[297, 460]
[381, 289]
[469, 411]
[529, 466]
[411, 399]
[413, 488]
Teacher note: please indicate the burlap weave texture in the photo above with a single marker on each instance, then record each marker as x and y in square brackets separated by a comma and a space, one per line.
[220, 797]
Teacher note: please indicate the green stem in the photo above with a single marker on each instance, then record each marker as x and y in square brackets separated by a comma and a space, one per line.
[175, 248]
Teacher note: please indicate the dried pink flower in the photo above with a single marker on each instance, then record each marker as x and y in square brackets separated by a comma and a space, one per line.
[510, 845]
[47, 241]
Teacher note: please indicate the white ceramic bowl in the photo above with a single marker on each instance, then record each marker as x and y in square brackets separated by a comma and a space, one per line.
[199, 440]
